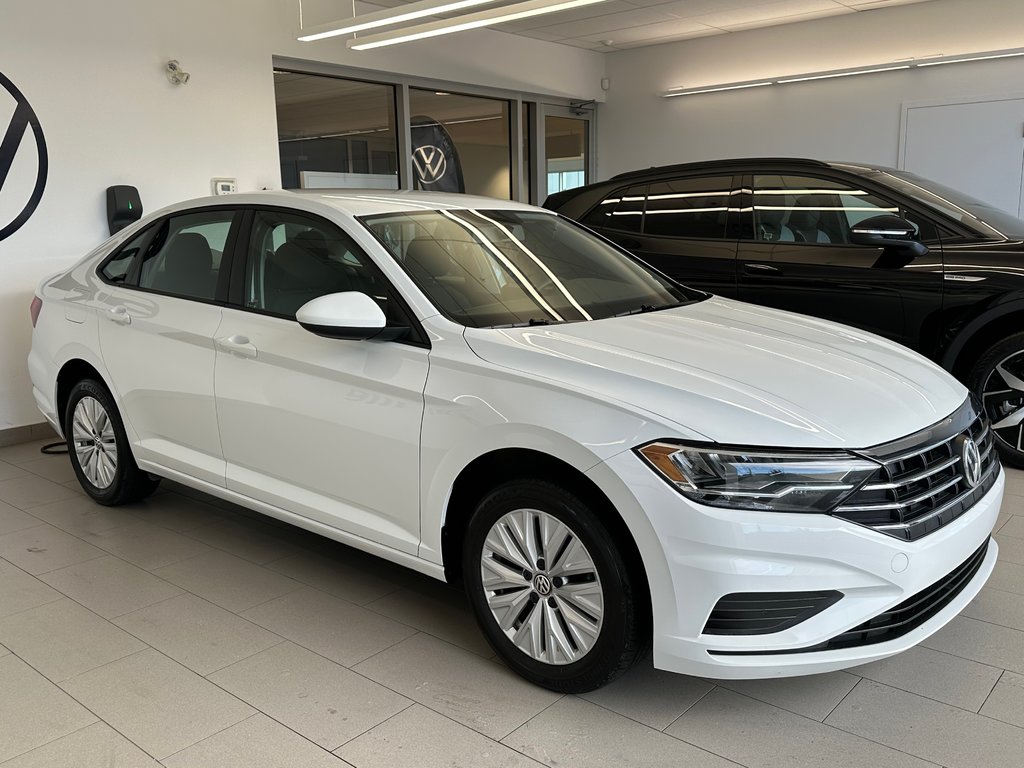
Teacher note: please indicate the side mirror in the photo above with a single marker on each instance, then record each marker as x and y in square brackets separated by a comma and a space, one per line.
[888, 232]
[350, 315]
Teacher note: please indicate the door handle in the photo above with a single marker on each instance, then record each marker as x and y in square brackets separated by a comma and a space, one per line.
[762, 270]
[237, 345]
[119, 314]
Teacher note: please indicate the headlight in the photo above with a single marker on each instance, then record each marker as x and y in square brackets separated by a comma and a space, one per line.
[779, 481]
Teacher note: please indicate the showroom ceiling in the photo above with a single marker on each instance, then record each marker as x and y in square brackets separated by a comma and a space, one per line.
[620, 24]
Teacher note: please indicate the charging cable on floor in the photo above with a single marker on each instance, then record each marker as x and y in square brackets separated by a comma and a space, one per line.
[54, 448]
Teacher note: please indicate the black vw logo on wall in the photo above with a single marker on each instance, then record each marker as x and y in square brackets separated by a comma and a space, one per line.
[19, 194]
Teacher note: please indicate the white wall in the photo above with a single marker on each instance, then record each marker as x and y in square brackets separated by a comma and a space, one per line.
[855, 118]
[93, 72]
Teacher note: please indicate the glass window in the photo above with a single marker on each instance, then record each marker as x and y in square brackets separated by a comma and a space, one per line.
[622, 210]
[185, 256]
[334, 132]
[803, 209]
[460, 143]
[293, 259]
[689, 207]
[504, 267]
[565, 152]
[117, 269]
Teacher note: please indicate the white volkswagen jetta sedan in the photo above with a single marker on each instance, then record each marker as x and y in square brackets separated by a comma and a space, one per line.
[488, 393]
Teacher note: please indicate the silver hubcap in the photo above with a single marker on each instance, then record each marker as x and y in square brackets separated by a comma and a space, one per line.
[542, 586]
[95, 445]
[1003, 397]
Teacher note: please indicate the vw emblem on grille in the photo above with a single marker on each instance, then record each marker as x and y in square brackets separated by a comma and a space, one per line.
[971, 459]
[430, 163]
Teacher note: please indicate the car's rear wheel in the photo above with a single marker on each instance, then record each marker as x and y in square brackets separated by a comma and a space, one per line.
[99, 449]
[998, 380]
[550, 589]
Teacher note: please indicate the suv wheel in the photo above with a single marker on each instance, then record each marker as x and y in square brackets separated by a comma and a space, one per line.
[99, 450]
[998, 380]
[550, 589]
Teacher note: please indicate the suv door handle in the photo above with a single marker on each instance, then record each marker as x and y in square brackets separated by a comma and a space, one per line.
[762, 270]
[237, 345]
[119, 314]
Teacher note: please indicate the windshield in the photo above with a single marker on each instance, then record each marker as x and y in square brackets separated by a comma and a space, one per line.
[979, 216]
[502, 268]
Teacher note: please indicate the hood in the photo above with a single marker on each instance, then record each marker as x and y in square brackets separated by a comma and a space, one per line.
[737, 373]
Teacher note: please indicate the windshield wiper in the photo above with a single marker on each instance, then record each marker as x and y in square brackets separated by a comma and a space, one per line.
[531, 322]
[643, 308]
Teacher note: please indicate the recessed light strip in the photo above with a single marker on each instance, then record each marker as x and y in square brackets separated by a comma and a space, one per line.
[932, 62]
[385, 18]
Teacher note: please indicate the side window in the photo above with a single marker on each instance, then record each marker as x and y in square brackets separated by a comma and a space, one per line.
[623, 210]
[185, 256]
[804, 209]
[293, 259]
[117, 269]
[689, 207]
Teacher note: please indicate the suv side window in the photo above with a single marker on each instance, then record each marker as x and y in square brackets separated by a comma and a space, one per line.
[293, 259]
[695, 207]
[185, 256]
[622, 210]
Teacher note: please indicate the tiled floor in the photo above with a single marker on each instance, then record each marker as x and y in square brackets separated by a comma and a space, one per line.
[186, 632]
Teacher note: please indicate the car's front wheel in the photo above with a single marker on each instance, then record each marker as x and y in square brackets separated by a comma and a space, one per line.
[99, 449]
[550, 589]
[998, 380]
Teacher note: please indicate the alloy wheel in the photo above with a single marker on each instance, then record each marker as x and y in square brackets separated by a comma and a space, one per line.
[542, 586]
[95, 444]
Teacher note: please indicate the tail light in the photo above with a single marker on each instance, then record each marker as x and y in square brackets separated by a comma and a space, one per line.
[33, 310]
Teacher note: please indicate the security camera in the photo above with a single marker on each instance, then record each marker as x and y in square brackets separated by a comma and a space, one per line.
[176, 74]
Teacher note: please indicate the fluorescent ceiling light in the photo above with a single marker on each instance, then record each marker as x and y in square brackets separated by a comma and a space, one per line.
[468, 21]
[388, 17]
[713, 89]
[844, 73]
[970, 58]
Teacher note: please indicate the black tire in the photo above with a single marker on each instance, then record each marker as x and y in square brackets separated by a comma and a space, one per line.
[126, 482]
[990, 381]
[620, 637]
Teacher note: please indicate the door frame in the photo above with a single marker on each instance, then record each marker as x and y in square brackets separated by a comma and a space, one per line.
[538, 155]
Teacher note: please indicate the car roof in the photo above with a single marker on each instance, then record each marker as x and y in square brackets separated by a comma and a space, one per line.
[657, 170]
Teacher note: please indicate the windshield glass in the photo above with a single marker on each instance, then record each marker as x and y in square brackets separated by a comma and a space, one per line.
[979, 216]
[501, 268]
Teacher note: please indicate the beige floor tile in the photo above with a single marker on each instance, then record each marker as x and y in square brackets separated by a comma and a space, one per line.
[482, 694]
[315, 697]
[81, 515]
[334, 628]
[938, 732]
[228, 581]
[175, 512]
[982, 642]
[22, 452]
[19, 591]
[110, 586]
[813, 696]
[650, 696]
[10, 471]
[420, 738]
[1014, 526]
[54, 468]
[45, 548]
[157, 703]
[147, 546]
[438, 610]
[258, 742]
[3, 651]
[31, 491]
[1008, 577]
[247, 539]
[33, 711]
[95, 746]
[1011, 549]
[577, 734]
[935, 675]
[759, 735]
[202, 636]
[334, 575]
[1007, 700]
[62, 639]
[13, 519]
[997, 607]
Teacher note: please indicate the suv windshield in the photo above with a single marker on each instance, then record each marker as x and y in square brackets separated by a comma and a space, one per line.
[502, 268]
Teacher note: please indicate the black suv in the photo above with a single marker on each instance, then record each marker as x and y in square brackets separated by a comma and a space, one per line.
[871, 247]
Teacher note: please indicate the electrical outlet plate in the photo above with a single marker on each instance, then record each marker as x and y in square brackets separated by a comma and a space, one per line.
[223, 186]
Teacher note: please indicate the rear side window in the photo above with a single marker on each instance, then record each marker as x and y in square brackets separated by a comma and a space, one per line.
[118, 268]
[689, 207]
[185, 256]
[623, 210]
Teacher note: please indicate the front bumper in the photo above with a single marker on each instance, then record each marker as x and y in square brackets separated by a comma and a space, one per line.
[703, 554]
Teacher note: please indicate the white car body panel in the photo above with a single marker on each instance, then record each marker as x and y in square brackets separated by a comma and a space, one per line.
[362, 441]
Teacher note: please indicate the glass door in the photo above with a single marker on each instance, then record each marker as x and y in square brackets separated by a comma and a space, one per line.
[565, 157]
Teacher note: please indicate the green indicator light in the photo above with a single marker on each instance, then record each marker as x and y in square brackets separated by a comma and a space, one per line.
[129, 205]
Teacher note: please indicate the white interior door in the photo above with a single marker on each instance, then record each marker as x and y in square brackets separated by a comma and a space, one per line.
[976, 147]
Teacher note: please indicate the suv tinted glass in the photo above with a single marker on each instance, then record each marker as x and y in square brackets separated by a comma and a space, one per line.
[185, 256]
[688, 207]
[622, 210]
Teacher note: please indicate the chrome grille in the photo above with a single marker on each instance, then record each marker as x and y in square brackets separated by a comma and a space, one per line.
[920, 486]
